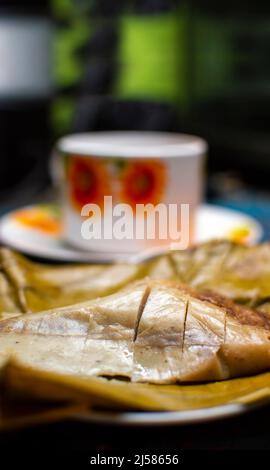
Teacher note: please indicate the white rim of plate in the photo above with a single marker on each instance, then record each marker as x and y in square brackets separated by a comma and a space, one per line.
[165, 418]
[67, 253]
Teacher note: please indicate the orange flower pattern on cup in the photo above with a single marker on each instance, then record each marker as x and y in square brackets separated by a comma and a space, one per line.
[89, 181]
[143, 182]
[139, 181]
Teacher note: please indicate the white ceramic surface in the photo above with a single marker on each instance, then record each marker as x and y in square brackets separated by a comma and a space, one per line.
[170, 418]
[211, 222]
[173, 167]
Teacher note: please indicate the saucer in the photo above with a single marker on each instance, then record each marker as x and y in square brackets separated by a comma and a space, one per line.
[36, 230]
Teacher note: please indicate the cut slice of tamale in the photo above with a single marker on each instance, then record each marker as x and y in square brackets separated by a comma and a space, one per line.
[108, 347]
[203, 338]
[159, 337]
[245, 337]
[91, 338]
[204, 327]
[151, 331]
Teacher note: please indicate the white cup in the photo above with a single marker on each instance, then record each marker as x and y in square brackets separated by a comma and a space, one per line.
[127, 168]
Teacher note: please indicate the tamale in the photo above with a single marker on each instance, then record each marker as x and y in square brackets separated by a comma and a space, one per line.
[159, 336]
[156, 332]
[151, 331]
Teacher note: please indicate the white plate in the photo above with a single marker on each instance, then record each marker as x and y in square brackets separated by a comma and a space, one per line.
[212, 222]
[164, 418]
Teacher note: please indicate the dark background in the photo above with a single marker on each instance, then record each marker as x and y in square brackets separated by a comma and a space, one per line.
[233, 441]
[188, 66]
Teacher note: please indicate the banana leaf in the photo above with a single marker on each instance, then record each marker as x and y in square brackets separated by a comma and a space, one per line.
[239, 272]
[48, 355]
[31, 287]
[120, 395]
[236, 271]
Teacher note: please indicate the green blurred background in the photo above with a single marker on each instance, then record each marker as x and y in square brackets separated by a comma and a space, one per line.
[196, 66]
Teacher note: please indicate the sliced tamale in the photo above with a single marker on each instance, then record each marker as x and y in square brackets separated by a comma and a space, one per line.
[159, 337]
[152, 331]
[90, 338]
[207, 327]
[203, 340]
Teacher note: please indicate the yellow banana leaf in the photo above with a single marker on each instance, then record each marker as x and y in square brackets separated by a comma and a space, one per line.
[121, 395]
[31, 287]
[236, 271]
